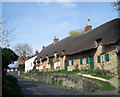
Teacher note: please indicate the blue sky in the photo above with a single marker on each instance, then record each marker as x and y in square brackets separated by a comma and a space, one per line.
[37, 23]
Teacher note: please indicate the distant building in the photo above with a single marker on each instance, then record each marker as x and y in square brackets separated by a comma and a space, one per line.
[29, 62]
[21, 62]
[11, 69]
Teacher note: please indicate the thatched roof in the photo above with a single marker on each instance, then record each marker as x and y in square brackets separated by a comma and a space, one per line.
[108, 32]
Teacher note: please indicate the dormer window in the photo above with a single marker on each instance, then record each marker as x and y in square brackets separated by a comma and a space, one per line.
[47, 57]
[63, 52]
[99, 41]
[55, 54]
[36, 61]
[40, 59]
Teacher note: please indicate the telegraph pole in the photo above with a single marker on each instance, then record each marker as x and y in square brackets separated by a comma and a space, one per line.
[118, 9]
[1, 23]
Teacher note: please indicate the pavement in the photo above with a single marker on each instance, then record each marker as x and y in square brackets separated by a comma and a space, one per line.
[113, 81]
[34, 88]
[87, 75]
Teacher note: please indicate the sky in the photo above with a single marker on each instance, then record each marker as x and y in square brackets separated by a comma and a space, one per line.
[37, 23]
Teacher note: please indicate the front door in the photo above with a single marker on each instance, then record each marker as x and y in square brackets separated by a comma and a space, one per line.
[91, 62]
[66, 64]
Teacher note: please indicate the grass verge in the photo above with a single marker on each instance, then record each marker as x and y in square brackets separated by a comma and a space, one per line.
[106, 86]
[103, 76]
[10, 87]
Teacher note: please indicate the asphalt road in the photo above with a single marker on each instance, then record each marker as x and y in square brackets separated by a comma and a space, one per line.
[34, 88]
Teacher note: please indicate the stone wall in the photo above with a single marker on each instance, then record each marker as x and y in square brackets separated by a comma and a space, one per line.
[112, 64]
[68, 81]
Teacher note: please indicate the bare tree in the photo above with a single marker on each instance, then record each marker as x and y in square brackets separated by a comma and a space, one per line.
[6, 33]
[116, 5]
[23, 49]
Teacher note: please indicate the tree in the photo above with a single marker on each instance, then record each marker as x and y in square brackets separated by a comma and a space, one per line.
[116, 5]
[8, 57]
[6, 33]
[23, 49]
[76, 32]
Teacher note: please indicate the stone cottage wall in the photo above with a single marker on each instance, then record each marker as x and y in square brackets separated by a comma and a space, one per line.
[113, 60]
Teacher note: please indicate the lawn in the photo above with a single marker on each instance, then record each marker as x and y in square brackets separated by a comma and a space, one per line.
[103, 76]
[105, 85]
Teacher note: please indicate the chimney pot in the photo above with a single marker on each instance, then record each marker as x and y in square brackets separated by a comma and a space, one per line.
[36, 52]
[88, 21]
[88, 27]
[24, 53]
[55, 40]
[43, 47]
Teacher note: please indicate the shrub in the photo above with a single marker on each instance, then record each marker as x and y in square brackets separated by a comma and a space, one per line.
[99, 71]
[53, 81]
[60, 82]
[76, 70]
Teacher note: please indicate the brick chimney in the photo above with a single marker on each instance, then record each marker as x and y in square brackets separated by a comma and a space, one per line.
[43, 47]
[88, 27]
[36, 52]
[55, 40]
[24, 53]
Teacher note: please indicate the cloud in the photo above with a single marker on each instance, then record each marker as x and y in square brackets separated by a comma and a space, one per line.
[57, 0]
[62, 26]
[69, 4]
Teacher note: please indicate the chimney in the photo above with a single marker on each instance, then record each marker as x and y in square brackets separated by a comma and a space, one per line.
[55, 40]
[36, 52]
[43, 47]
[88, 21]
[88, 27]
[24, 53]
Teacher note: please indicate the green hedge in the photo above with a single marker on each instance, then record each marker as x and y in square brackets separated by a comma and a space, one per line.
[10, 87]
[21, 67]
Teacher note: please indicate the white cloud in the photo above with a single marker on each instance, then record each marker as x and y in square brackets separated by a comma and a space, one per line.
[69, 4]
[61, 26]
[57, 0]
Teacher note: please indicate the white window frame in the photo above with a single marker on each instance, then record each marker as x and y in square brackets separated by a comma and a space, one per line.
[55, 54]
[58, 64]
[84, 61]
[48, 66]
[103, 58]
[70, 62]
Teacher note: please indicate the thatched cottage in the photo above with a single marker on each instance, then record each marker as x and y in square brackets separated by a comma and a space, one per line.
[99, 47]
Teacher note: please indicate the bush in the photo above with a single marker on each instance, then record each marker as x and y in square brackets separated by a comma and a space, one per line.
[21, 67]
[10, 87]
[99, 71]
[76, 70]
[60, 82]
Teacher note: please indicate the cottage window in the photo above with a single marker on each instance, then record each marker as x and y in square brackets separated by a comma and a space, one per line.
[103, 58]
[63, 52]
[48, 65]
[84, 61]
[70, 62]
[47, 57]
[99, 41]
[55, 54]
[40, 59]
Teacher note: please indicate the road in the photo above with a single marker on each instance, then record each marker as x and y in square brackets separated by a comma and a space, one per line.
[34, 88]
